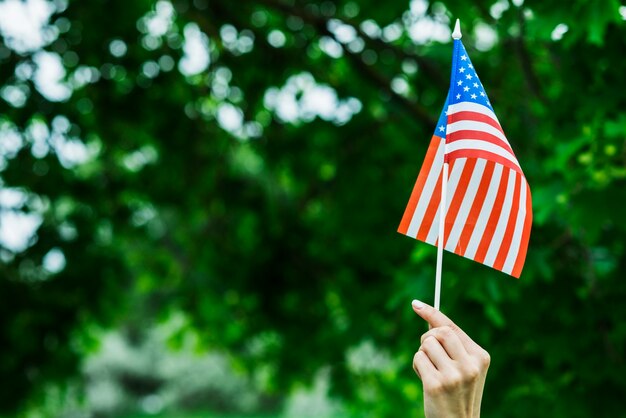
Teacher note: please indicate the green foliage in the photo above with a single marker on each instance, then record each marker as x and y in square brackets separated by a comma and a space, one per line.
[281, 231]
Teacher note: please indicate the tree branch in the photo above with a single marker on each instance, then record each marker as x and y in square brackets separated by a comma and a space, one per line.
[321, 25]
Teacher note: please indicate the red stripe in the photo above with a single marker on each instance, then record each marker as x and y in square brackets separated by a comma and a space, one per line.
[457, 199]
[472, 217]
[479, 136]
[492, 223]
[445, 237]
[431, 210]
[505, 246]
[474, 116]
[489, 156]
[419, 184]
[523, 246]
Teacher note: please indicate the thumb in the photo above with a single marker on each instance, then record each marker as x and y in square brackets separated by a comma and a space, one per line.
[431, 315]
[437, 319]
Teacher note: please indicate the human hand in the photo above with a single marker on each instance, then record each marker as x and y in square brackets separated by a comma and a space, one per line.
[453, 368]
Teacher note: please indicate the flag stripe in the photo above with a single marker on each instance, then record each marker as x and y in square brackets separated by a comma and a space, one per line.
[456, 170]
[429, 188]
[476, 209]
[475, 116]
[471, 125]
[466, 153]
[471, 107]
[507, 267]
[502, 237]
[431, 153]
[480, 136]
[461, 221]
[521, 257]
[432, 207]
[473, 146]
[494, 216]
[458, 197]
[485, 212]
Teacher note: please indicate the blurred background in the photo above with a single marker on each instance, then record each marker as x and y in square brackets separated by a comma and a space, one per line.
[199, 202]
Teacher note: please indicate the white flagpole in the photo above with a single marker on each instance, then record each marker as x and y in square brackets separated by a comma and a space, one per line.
[442, 218]
[456, 35]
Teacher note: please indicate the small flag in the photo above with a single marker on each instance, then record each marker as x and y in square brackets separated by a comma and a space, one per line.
[488, 209]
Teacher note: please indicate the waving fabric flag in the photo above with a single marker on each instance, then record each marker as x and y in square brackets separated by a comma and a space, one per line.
[488, 210]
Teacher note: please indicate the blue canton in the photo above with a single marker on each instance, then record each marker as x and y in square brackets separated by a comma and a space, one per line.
[466, 85]
[440, 130]
[466, 88]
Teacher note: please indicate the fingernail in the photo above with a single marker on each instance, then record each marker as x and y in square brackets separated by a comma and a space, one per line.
[417, 304]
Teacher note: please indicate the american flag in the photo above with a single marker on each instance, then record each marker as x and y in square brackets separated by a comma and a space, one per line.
[488, 211]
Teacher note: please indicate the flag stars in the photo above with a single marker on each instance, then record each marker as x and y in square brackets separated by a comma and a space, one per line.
[442, 129]
[468, 85]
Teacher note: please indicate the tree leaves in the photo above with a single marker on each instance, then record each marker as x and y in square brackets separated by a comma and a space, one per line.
[200, 197]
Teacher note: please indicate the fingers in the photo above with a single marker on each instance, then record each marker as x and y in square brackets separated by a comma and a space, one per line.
[431, 315]
[450, 342]
[424, 368]
[437, 319]
[451, 365]
[437, 354]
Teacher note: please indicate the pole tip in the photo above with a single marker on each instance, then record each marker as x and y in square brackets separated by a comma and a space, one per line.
[456, 34]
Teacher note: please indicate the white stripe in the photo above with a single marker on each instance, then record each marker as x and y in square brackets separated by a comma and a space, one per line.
[503, 221]
[470, 125]
[517, 234]
[466, 205]
[472, 107]
[431, 238]
[485, 211]
[427, 191]
[477, 145]
[453, 182]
